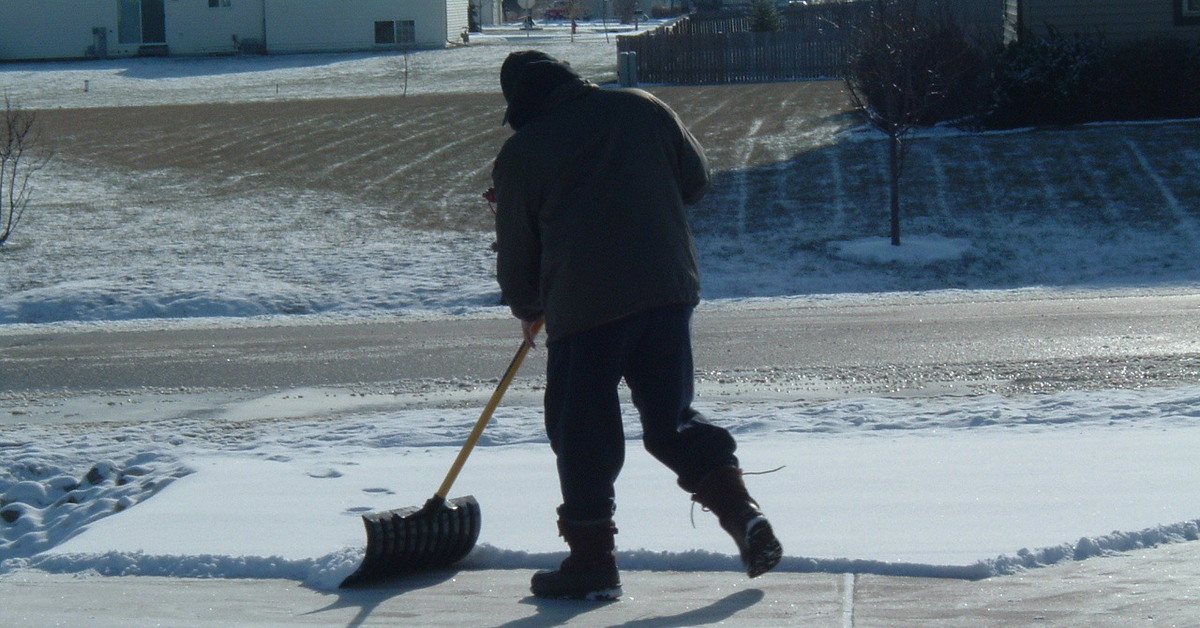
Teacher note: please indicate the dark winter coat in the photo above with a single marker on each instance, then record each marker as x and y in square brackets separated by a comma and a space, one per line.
[591, 190]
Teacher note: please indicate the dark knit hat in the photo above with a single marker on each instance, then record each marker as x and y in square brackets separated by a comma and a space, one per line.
[527, 78]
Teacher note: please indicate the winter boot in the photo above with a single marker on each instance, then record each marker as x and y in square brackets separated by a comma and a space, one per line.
[724, 493]
[590, 572]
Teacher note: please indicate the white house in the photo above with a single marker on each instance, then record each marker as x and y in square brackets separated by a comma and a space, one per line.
[66, 29]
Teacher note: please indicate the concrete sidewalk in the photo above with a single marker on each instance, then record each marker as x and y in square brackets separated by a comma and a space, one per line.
[1153, 587]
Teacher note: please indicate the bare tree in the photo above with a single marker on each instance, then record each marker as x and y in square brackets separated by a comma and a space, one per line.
[20, 158]
[900, 71]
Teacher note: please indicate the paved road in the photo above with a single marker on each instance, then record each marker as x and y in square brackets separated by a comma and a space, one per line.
[929, 344]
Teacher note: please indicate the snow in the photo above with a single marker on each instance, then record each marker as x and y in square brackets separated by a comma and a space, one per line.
[951, 486]
[989, 485]
[915, 250]
[143, 81]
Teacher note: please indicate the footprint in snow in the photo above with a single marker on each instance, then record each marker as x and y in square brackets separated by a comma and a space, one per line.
[325, 474]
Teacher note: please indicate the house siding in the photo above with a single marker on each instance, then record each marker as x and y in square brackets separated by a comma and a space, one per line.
[65, 29]
[1115, 19]
[982, 19]
[325, 25]
[194, 28]
[52, 29]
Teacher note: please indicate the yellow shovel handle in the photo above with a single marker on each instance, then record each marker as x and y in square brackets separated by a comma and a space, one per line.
[486, 415]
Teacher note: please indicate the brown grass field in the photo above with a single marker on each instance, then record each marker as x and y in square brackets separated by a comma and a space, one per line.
[424, 158]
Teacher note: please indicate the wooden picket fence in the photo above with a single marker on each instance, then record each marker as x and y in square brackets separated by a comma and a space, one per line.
[813, 44]
[733, 57]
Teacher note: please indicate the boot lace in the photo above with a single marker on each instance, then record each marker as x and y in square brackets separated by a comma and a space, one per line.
[692, 511]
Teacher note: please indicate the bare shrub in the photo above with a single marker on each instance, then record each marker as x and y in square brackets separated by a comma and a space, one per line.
[20, 158]
[906, 64]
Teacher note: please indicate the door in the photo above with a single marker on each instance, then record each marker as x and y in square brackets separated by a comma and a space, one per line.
[154, 22]
[141, 22]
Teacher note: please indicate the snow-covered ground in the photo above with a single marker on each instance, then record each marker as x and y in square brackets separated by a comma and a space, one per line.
[956, 486]
[145, 81]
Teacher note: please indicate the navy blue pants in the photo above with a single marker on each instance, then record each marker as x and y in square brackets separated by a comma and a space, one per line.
[652, 351]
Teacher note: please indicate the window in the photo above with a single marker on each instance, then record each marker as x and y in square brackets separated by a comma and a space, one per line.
[1187, 11]
[406, 31]
[385, 32]
[402, 32]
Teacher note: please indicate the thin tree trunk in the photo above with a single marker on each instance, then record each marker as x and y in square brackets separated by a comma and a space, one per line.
[894, 167]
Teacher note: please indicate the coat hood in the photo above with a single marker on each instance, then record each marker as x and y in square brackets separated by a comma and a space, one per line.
[533, 82]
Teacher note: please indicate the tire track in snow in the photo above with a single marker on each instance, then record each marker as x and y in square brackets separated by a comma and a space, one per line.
[781, 168]
[344, 139]
[202, 148]
[318, 126]
[848, 581]
[1184, 223]
[700, 117]
[742, 177]
[941, 182]
[460, 188]
[249, 139]
[987, 214]
[312, 128]
[841, 203]
[205, 145]
[389, 146]
[782, 145]
[444, 148]
[987, 173]
[882, 216]
[1082, 156]
[169, 142]
[1049, 191]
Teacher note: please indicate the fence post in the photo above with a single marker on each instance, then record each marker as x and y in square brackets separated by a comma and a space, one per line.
[627, 69]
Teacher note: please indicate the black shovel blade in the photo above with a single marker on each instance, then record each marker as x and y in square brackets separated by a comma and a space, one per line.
[406, 540]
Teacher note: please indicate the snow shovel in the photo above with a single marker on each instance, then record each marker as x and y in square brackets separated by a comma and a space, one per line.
[441, 532]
